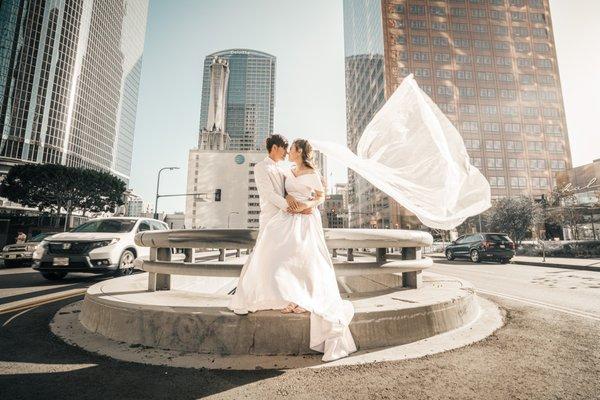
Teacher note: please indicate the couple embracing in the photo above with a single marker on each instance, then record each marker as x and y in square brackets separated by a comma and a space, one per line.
[290, 268]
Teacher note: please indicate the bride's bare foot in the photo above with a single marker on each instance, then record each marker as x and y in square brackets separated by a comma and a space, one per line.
[289, 308]
[299, 310]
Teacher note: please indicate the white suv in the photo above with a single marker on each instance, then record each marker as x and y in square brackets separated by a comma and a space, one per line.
[96, 246]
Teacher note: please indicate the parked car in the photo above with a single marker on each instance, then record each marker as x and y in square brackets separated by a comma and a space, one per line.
[97, 246]
[482, 246]
[15, 255]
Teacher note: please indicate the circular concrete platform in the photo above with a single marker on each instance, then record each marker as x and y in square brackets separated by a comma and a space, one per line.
[189, 318]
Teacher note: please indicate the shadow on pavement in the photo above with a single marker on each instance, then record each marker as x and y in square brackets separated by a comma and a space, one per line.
[42, 363]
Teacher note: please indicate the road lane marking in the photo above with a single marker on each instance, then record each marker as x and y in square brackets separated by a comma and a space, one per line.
[542, 304]
[16, 315]
[21, 305]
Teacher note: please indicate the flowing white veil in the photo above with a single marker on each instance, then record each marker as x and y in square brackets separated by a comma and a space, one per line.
[414, 154]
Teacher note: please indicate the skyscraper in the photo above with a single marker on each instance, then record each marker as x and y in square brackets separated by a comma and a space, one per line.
[250, 97]
[490, 65]
[69, 78]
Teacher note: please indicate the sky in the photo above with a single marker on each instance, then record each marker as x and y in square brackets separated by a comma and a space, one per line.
[307, 39]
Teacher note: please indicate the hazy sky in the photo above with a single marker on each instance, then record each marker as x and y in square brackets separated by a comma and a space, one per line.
[307, 39]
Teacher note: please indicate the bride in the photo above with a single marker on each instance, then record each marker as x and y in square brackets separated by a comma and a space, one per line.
[290, 268]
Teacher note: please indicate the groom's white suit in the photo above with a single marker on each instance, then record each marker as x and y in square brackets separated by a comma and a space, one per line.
[270, 184]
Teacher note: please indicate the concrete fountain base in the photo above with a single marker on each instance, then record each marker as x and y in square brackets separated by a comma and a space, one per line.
[184, 323]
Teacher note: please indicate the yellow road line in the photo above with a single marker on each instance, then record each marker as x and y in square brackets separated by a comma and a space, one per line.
[38, 302]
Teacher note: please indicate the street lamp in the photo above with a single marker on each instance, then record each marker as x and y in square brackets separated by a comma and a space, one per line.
[229, 216]
[157, 186]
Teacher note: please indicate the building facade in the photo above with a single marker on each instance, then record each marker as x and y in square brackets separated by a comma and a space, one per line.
[226, 194]
[250, 97]
[490, 66]
[69, 79]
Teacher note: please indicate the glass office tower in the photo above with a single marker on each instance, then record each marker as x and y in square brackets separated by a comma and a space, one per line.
[250, 97]
[69, 78]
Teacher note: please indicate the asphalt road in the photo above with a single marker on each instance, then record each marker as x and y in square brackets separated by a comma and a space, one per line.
[549, 349]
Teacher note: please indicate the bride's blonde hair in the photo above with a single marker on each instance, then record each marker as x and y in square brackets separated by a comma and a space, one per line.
[307, 152]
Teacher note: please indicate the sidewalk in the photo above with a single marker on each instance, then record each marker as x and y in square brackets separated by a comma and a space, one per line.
[586, 264]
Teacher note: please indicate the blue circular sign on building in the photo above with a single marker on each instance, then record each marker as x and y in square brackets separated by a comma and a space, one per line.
[239, 159]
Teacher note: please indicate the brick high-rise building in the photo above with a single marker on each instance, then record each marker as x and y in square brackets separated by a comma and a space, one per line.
[491, 67]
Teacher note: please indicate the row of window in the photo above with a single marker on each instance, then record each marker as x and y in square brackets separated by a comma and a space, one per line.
[420, 56]
[494, 127]
[496, 30]
[518, 164]
[437, 41]
[514, 145]
[508, 111]
[460, 12]
[518, 182]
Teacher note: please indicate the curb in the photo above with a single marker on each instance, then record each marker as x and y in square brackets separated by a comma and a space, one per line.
[39, 300]
[538, 264]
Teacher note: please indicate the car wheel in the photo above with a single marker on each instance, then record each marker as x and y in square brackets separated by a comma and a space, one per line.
[475, 256]
[54, 276]
[125, 264]
[505, 261]
[449, 255]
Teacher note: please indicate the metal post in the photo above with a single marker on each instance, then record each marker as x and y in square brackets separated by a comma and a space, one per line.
[380, 254]
[222, 254]
[157, 187]
[350, 255]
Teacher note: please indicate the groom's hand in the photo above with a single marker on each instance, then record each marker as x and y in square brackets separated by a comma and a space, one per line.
[293, 204]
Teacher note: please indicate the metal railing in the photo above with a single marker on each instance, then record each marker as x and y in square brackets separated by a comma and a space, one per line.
[160, 265]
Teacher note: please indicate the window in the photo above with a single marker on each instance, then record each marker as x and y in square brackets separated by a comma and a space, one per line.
[532, 129]
[503, 62]
[440, 11]
[548, 96]
[461, 43]
[463, 59]
[508, 94]
[466, 91]
[485, 76]
[144, 226]
[440, 41]
[464, 75]
[472, 144]
[447, 108]
[470, 126]
[506, 77]
[420, 56]
[522, 47]
[545, 79]
[458, 12]
[512, 128]
[480, 28]
[493, 145]
[476, 161]
[442, 57]
[419, 40]
[483, 60]
[535, 146]
[493, 127]
[446, 91]
[481, 44]
[543, 63]
[536, 3]
[443, 74]
[526, 79]
[468, 109]
[517, 164]
[518, 182]
[478, 13]
[423, 72]
[500, 30]
[528, 95]
[494, 163]
[539, 183]
[400, 40]
[510, 111]
[457, 27]
[497, 181]
[417, 10]
[400, 8]
[558, 165]
[498, 15]
[555, 147]
[530, 112]
[541, 47]
[537, 17]
[518, 16]
[418, 24]
[520, 31]
[514, 146]
[524, 62]
[550, 112]
[439, 26]
[539, 32]
[489, 110]
[552, 130]
[487, 93]
[537, 164]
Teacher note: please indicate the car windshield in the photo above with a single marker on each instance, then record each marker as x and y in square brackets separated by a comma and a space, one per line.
[498, 238]
[107, 225]
[41, 236]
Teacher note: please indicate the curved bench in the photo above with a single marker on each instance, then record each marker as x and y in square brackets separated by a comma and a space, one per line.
[161, 266]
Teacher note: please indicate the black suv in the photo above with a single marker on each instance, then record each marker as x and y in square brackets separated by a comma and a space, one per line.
[482, 246]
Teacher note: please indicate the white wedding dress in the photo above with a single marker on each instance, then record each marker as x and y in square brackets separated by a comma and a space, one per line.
[290, 263]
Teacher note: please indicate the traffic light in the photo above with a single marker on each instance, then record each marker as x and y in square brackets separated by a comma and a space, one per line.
[218, 195]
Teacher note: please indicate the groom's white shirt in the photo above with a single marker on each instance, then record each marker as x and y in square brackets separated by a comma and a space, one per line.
[270, 184]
